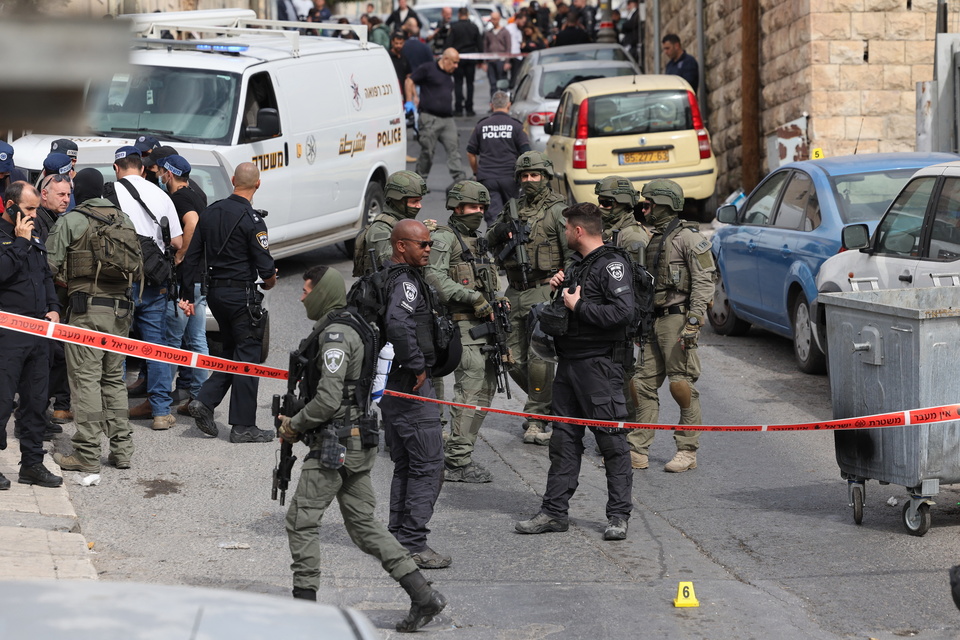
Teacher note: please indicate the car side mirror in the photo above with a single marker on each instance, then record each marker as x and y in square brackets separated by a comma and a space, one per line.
[727, 214]
[548, 128]
[268, 125]
[855, 236]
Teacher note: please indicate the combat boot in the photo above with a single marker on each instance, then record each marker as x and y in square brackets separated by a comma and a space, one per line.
[639, 460]
[39, 475]
[430, 559]
[425, 602]
[472, 473]
[119, 463]
[239, 434]
[535, 434]
[73, 463]
[542, 523]
[4, 483]
[204, 417]
[684, 460]
[616, 529]
[304, 594]
[61, 416]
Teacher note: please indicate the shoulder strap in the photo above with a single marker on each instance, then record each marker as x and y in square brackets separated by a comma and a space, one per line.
[136, 196]
[467, 254]
[91, 214]
[663, 241]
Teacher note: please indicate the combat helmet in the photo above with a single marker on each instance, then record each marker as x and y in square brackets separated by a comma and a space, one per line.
[533, 161]
[467, 192]
[405, 184]
[665, 192]
[618, 188]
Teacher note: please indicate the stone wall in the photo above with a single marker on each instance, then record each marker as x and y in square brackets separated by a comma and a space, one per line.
[851, 65]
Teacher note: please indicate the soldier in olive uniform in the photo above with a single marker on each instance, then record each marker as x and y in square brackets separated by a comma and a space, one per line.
[467, 283]
[403, 194]
[682, 265]
[618, 202]
[96, 377]
[541, 210]
[339, 364]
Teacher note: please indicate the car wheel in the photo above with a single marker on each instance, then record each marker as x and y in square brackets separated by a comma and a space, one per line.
[809, 357]
[373, 201]
[722, 318]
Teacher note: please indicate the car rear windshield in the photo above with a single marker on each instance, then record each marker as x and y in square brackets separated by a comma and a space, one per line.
[863, 197]
[638, 113]
[552, 83]
[189, 105]
[559, 55]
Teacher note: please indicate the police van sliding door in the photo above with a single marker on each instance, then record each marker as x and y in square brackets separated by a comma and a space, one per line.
[269, 153]
[326, 144]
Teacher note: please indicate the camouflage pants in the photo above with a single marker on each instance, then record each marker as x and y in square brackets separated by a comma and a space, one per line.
[533, 375]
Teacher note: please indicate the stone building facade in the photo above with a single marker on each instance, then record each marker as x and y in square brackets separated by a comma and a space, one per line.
[850, 66]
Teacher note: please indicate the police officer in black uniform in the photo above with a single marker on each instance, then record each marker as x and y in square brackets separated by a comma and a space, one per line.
[26, 288]
[232, 238]
[411, 427]
[599, 298]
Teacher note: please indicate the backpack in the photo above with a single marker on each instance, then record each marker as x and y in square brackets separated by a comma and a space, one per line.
[156, 267]
[360, 252]
[306, 374]
[115, 251]
[368, 296]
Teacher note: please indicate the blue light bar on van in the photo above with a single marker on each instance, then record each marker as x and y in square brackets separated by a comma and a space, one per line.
[208, 46]
[222, 48]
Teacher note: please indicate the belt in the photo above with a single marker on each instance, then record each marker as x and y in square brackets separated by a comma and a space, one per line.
[519, 286]
[460, 317]
[672, 310]
[237, 284]
[110, 302]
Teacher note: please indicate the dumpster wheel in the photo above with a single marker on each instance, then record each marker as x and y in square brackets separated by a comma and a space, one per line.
[916, 516]
[857, 499]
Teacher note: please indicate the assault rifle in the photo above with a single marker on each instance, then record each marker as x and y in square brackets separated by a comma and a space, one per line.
[517, 244]
[497, 351]
[287, 405]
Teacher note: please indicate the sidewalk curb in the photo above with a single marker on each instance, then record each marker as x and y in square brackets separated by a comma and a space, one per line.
[39, 534]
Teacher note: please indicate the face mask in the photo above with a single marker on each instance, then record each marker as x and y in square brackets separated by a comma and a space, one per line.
[660, 216]
[533, 189]
[411, 212]
[469, 221]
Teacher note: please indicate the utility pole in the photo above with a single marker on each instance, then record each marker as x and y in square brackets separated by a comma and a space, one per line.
[606, 33]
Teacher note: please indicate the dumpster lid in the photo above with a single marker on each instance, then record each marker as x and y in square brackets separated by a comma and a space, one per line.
[918, 304]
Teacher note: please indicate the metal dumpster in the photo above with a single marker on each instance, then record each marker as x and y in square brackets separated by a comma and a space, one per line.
[892, 350]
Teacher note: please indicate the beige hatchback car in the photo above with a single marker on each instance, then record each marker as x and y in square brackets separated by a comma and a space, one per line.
[641, 127]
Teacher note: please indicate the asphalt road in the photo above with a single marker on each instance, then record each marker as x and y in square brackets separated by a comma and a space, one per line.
[761, 527]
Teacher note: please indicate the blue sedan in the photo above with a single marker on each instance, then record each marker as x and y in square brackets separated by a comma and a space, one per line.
[769, 252]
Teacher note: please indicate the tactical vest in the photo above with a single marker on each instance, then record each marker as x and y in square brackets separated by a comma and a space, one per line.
[544, 252]
[473, 270]
[669, 276]
[362, 263]
[106, 260]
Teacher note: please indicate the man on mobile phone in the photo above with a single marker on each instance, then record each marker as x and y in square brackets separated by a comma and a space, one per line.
[26, 288]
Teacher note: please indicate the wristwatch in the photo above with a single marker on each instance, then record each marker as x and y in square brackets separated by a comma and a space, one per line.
[694, 321]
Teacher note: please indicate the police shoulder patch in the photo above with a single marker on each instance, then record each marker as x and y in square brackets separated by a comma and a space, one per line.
[333, 336]
[410, 291]
[333, 359]
[702, 247]
[262, 239]
[616, 270]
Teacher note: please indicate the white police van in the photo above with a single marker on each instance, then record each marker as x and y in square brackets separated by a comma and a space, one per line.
[321, 117]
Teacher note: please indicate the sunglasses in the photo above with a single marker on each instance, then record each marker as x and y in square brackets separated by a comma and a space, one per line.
[606, 203]
[422, 243]
[646, 205]
[56, 177]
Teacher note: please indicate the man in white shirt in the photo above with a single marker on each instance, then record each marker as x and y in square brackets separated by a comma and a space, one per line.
[135, 196]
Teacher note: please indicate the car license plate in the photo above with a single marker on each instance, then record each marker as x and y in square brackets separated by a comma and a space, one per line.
[641, 157]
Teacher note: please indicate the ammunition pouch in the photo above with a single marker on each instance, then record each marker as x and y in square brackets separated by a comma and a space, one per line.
[369, 431]
[555, 319]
